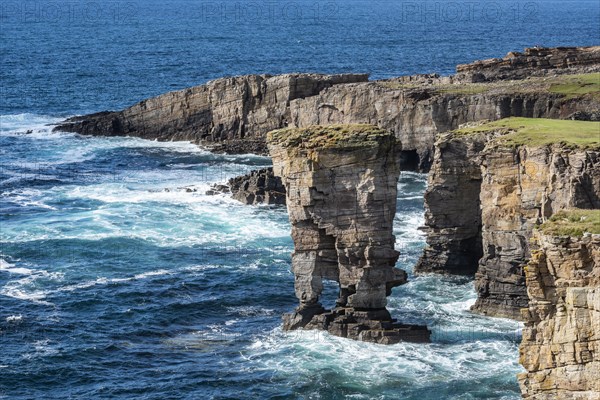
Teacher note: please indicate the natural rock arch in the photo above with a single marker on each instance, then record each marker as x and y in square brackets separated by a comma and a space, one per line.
[341, 186]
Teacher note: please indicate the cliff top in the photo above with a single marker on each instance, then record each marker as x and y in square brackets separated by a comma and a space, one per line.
[534, 61]
[330, 136]
[541, 132]
[576, 85]
[567, 85]
[572, 223]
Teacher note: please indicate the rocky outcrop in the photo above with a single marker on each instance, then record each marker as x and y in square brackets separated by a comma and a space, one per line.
[341, 185]
[533, 61]
[585, 116]
[257, 187]
[485, 197]
[560, 348]
[520, 188]
[234, 114]
[452, 207]
[417, 114]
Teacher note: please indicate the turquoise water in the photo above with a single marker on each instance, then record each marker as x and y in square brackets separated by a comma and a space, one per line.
[117, 282]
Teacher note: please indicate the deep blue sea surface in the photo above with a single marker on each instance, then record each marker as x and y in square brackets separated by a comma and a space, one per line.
[120, 279]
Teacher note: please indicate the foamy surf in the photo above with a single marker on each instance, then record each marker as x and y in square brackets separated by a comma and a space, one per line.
[118, 235]
[22, 123]
[307, 352]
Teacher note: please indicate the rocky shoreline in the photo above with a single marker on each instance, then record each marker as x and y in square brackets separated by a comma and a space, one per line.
[233, 115]
[510, 144]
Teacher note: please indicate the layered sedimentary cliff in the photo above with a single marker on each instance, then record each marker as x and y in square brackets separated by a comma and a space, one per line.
[417, 114]
[234, 114]
[341, 184]
[533, 61]
[452, 206]
[490, 186]
[522, 186]
[561, 340]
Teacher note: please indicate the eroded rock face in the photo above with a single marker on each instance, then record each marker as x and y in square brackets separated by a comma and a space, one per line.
[341, 185]
[561, 340]
[483, 202]
[533, 61]
[520, 188]
[232, 113]
[418, 115]
[452, 207]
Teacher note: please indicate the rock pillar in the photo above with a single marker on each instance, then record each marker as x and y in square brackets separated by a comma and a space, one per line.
[341, 186]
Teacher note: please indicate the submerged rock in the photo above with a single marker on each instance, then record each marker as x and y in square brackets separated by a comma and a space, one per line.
[257, 187]
[341, 185]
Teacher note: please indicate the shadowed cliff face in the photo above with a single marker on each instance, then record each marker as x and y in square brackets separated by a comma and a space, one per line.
[234, 114]
[452, 207]
[341, 184]
[484, 199]
[561, 340]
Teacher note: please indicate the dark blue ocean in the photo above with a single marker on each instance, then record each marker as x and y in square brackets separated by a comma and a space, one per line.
[119, 282]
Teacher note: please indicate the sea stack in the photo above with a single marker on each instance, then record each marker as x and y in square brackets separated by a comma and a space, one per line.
[341, 186]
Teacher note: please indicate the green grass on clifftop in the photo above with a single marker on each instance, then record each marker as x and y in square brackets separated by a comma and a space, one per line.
[572, 223]
[541, 132]
[329, 136]
[577, 85]
[569, 86]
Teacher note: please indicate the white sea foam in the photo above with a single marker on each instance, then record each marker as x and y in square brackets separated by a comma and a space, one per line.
[26, 197]
[407, 224]
[25, 287]
[13, 269]
[120, 193]
[203, 340]
[305, 353]
[251, 311]
[43, 348]
[36, 296]
[106, 281]
[21, 123]
[14, 318]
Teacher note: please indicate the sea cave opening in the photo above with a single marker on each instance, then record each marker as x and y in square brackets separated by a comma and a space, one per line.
[409, 160]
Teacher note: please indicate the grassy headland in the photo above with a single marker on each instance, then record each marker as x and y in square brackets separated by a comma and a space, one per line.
[570, 86]
[572, 223]
[541, 131]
